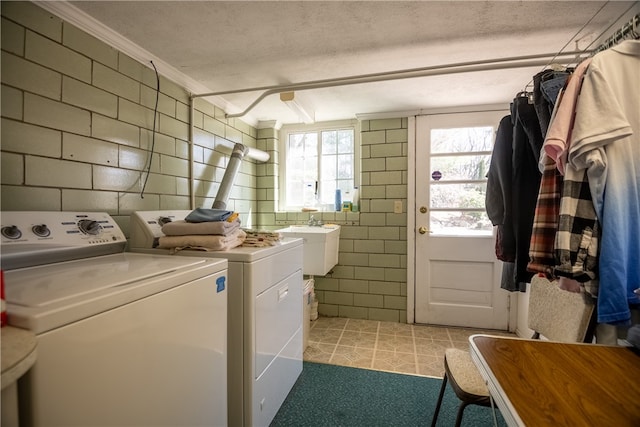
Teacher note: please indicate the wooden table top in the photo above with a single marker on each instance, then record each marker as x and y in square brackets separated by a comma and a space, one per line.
[542, 383]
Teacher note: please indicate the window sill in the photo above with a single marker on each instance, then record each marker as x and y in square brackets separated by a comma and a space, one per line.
[296, 218]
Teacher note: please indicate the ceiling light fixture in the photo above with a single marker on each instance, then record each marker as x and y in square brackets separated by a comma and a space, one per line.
[304, 113]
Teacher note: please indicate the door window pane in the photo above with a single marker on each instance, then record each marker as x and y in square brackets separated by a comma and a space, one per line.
[459, 164]
[460, 223]
[463, 196]
[462, 140]
[455, 168]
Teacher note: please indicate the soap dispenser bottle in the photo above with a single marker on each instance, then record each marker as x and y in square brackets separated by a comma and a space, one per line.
[355, 200]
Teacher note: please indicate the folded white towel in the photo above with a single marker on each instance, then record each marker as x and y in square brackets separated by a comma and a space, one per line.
[202, 242]
[184, 228]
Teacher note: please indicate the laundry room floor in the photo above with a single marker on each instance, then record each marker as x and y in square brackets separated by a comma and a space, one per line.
[385, 346]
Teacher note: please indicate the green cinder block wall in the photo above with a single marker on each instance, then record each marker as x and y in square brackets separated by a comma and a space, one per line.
[76, 134]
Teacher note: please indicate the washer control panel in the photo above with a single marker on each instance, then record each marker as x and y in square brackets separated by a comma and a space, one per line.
[34, 238]
[146, 226]
[61, 228]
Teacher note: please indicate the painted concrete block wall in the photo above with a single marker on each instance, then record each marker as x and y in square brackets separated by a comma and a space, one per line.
[77, 128]
[370, 280]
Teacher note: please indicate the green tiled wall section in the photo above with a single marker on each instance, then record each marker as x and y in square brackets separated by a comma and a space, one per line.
[77, 129]
[370, 280]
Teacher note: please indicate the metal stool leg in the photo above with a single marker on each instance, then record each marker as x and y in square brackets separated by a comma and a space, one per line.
[460, 411]
[435, 414]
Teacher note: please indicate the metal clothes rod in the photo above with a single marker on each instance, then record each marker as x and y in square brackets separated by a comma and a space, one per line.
[630, 28]
[461, 67]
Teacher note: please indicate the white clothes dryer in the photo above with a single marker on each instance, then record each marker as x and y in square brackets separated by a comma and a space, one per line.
[264, 317]
[122, 338]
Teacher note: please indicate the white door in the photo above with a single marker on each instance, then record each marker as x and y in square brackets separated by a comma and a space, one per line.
[457, 275]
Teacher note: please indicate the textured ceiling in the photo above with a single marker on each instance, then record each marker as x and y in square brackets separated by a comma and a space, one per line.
[243, 44]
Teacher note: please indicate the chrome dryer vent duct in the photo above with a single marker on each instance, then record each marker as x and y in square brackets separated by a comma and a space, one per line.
[238, 153]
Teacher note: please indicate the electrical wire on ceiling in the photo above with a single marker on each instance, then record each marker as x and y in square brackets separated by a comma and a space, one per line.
[153, 132]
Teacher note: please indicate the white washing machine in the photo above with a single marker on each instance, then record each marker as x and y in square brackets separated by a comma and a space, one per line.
[265, 317]
[122, 339]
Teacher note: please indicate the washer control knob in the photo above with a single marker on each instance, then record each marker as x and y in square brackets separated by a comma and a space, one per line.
[164, 220]
[11, 232]
[89, 226]
[41, 230]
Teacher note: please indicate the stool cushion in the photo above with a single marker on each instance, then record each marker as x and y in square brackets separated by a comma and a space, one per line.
[464, 373]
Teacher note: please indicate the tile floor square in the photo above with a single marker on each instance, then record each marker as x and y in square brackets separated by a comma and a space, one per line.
[386, 346]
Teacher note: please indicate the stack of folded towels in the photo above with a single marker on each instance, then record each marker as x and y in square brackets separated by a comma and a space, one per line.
[205, 230]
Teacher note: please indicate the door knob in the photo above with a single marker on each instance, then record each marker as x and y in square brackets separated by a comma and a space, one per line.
[423, 230]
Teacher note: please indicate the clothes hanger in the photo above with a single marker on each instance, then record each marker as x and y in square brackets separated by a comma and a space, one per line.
[526, 94]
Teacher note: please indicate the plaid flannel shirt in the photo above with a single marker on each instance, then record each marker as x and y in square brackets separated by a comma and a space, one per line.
[542, 257]
[578, 233]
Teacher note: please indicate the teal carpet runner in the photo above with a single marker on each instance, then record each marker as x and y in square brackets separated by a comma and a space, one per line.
[338, 396]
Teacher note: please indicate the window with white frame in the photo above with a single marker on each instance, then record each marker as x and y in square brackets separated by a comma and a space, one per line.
[318, 161]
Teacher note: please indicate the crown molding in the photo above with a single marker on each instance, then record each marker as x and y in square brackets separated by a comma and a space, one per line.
[71, 14]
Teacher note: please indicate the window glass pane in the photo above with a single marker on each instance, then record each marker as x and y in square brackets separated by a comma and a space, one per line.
[329, 142]
[460, 140]
[296, 145]
[324, 156]
[469, 223]
[455, 168]
[294, 193]
[328, 168]
[345, 166]
[453, 196]
[327, 192]
[345, 185]
[310, 165]
[345, 141]
[311, 144]
[302, 168]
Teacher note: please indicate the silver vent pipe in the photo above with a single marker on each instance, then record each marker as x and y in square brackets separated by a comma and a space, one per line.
[240, 151]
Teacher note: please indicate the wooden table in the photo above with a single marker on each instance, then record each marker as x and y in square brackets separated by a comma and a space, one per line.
[542, 383]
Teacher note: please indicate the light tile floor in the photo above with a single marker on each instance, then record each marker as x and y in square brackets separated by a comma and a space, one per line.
[385, 346]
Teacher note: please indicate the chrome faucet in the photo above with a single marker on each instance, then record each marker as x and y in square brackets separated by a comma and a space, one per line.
[314, 222]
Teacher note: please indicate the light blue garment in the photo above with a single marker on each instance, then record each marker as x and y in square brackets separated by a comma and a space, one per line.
[606, 141]
[208, 215]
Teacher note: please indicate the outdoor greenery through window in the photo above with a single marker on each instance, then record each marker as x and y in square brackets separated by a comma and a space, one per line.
[459, 164]
[318, 163]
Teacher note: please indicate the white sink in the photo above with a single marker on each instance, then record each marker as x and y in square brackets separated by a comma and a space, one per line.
[320, 248]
